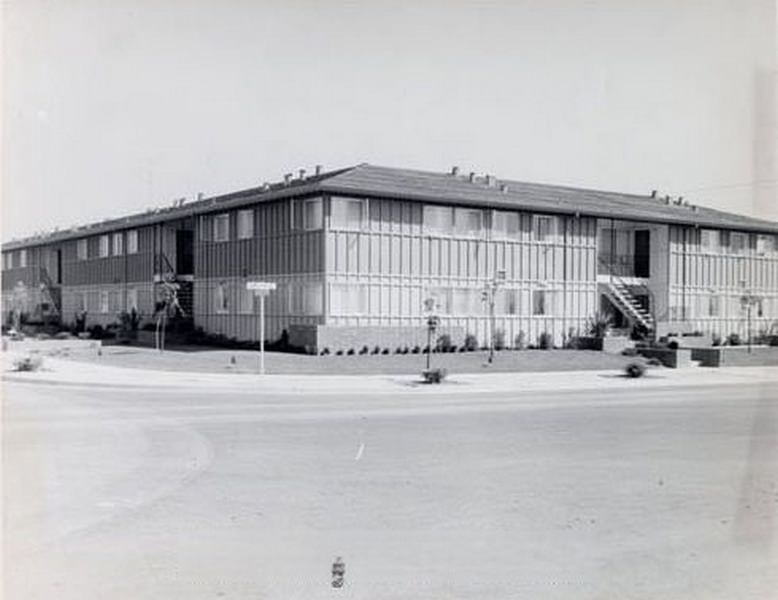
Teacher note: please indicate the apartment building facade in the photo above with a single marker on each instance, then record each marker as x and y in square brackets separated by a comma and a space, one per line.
[360, 255]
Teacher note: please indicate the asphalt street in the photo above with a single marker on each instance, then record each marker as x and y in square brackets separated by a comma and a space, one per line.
[135, 494]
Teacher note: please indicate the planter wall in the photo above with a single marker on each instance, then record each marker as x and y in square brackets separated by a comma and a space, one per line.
[674, 359]
[736, 356]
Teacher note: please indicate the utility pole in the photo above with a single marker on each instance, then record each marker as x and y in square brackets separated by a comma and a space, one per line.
[488, 295]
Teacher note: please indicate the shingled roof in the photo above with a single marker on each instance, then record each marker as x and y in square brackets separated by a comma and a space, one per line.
[436, 187]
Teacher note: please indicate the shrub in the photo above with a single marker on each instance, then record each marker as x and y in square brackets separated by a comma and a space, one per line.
[733, 339]
[27, 363]
[545, 341]
[415, 350]
[599, 325]
[672, 345]
[453, 348]
[520, 341]
[80, 322]
[405, 350]
[715, 339]
[376, 350]
[443, 343]
[385, 351]
[364, 350]
[425, 350]
[635, 369]
[339, 353]
[350, 352]
[325, 351]
[471, 343]
[499, 339]
[96, 332]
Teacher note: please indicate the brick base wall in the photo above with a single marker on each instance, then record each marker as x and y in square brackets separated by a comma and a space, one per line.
[315, 338]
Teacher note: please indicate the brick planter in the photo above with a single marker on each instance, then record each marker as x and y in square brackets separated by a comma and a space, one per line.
[736, 356]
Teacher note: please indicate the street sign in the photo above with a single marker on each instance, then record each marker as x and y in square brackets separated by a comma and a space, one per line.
[260, 287]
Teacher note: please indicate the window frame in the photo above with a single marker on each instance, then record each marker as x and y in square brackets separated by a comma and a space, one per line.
[504, 233]
[316, 202]
[543, 305]
[117, 244]
[221, 218]
[222, 300]
[345, 224]
[427, 225]
[548, 237]
[105, 302]
[460, 212]
[23, 258]
[713, 237]
[82, 249]
[246, 224]
[133, 241]
[104, 246]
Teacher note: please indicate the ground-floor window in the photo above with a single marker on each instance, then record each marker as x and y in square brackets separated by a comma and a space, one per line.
[539, 302]
[132, 299]
[104, 301]
[348, 299]
[222, 298]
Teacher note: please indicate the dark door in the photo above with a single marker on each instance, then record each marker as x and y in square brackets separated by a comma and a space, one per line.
[642, 253]
[184, 252]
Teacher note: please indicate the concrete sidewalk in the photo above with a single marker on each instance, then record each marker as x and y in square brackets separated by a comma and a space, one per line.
[65, 372]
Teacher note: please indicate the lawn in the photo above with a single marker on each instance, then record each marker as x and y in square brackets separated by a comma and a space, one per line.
[202, 359]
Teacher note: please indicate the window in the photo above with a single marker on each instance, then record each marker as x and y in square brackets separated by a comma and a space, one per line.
[441, 300]
[104, 301]
[709, 241]
[6, 260]
[467, 222]
[505, 225]
[312, 214]
[764, 244]
[114, 301]
[221, 228]
[347, 213]
[438, 219]
[245, 224]
[507, 302]
[205, 229]
[466, 301]
[118, 244]
[105, 246]
[713, 305]
[132, 299]
[80, 301]
[82, 249]
[305, 299]
[132, 241]
[348, 299]
[543, 228]
[222, 299]
[22, 258]
[737, 242]
[246, 301]
[539, 302]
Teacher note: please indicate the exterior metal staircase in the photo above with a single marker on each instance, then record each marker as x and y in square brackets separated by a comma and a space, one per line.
[165, 274]
[623, 298]
[52, 294]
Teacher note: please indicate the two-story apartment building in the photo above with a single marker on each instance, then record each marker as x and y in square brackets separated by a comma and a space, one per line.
[358, 253]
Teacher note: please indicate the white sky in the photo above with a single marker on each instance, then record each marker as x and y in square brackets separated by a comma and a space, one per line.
[111, 107]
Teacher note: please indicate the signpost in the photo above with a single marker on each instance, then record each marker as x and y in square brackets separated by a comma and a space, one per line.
[261, 289]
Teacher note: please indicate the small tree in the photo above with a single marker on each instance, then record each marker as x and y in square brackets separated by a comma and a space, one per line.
[599, 325]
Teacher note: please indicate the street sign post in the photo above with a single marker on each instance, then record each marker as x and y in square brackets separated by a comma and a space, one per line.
[261, 289]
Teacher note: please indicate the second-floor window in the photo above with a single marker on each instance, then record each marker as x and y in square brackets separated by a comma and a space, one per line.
[132, 241]
[105, 246]
[505, 225]
[221, 228]
[438, 219]
[312, 214]
[82, 249]
[709, 240]
[468, 222]
[22, 258]
[118, 244]
[737, 242]
[245, 224]
[543, 227]
[347, 213]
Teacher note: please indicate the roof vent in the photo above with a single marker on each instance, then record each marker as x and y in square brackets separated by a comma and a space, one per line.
[471, 177]
[490, 180]
[265, 186]
[455, 170]
[504, 188]
[318, 170]
[200, 196]
[694, 207]
[301, 174]
[287, 178]
[653, 193]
